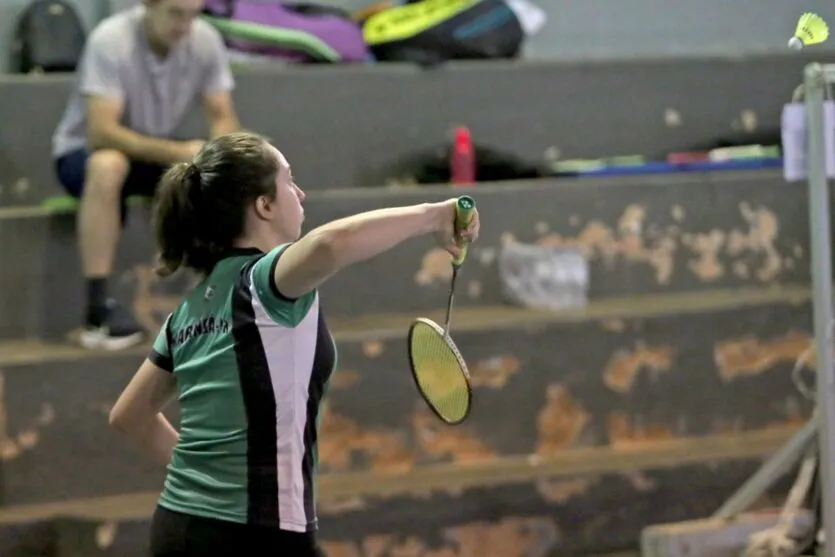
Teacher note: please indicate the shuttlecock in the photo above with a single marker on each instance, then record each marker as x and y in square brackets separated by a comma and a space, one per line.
[811, 29]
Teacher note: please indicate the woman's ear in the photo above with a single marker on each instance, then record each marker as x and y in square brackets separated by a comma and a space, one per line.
[264, 207]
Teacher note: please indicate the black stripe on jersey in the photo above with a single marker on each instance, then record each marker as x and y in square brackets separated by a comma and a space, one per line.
[323, 364]
[161, 361]
[260, 406]
[273, 285]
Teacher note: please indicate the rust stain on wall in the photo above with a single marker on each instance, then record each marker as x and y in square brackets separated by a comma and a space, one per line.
[494, 372]
[510, 537]
[636, 240]
[373, 348]
[749, 355]
[640, 481]
[560, 422]
[434, 266]
[342, 438]
[149, 305]
[628, 241]
[340, 505]
[344, 379]
[623, 367]
[706, 246]
[760, 239]
[562, 491]
[626, 432]
[474, 289]
[106, 534]
[613, 325]
[13, 445]
[441, 441]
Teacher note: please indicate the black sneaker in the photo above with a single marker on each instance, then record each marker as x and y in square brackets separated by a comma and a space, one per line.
[118, 332]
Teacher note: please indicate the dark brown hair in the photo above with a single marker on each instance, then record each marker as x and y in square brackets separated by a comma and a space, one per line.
[200, 206]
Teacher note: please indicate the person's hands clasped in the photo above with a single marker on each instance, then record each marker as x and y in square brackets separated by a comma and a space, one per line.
[447, 236]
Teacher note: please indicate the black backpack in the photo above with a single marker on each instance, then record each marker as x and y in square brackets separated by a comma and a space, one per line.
[49, 37]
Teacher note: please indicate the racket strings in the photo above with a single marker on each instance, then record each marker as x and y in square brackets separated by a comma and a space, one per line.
[440, 372]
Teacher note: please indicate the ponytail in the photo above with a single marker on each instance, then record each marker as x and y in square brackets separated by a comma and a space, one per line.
[173, 217]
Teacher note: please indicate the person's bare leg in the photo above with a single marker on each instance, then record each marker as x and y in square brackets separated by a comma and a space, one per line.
[99, 215]
[99, 229]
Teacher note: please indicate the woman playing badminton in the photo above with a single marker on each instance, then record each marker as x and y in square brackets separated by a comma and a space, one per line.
[247, 352]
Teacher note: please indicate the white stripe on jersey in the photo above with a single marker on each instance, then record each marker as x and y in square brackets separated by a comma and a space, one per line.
[290, 354]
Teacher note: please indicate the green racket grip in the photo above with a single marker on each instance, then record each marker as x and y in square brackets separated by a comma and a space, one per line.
[463, 216]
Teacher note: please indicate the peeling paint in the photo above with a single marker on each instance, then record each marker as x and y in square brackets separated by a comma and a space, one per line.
[636, 240]
[14, 445]
[560, 422]
[623, 367]
[510, 537]
[596, 238]
[485, 255]
[494, 372]
[749, 120]
[441, 441]
[748, 355]
[741, 270]
[672, 118]
[342, 439]
[707, 266]
[344, 379]
[106, 533]
[560, 491]
[613, 325]
[760, 238]
[434, 266]
[474, 289]
[372, 348]
[640, 481]
[151, 307]
[630, 432]
[329, 505]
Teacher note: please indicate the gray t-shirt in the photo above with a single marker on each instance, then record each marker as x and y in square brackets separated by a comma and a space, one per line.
[118, 63]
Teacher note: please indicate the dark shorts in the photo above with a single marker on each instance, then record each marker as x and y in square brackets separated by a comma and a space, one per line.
[175, 534]
[142, 178]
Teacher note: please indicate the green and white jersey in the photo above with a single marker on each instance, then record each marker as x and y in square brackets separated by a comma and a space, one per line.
[252, 368]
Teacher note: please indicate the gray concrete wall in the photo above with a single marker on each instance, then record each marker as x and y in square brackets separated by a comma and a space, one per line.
[386, 114]
[601, 28]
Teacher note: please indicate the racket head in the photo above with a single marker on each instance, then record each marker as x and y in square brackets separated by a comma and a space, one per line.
[439, 371]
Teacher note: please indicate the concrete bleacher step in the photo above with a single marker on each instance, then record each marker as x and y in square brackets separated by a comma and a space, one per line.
[614, 374]
[576, 502]
[642, 235]
[387, 116]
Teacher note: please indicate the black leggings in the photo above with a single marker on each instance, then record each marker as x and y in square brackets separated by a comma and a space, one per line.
[175, 534]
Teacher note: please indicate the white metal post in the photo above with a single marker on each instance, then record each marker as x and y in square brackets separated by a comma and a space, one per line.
[816, 78]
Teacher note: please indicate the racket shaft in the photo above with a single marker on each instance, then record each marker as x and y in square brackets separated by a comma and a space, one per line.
[450, 299]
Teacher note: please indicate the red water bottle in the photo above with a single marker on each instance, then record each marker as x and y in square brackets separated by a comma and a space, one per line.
[462, 159]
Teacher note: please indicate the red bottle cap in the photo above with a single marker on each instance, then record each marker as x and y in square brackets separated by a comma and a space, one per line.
[463, 139]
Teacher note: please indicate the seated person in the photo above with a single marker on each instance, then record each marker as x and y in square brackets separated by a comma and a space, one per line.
[142, 70]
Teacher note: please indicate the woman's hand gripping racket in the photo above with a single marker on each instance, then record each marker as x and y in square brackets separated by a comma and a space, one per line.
[439, 371]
